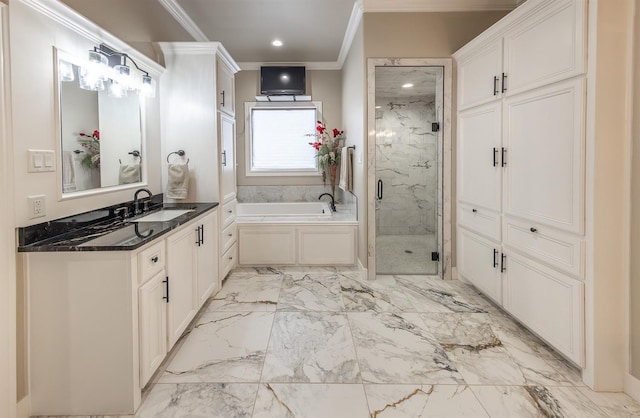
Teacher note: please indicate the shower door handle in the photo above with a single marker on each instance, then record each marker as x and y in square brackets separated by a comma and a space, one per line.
[380, 189]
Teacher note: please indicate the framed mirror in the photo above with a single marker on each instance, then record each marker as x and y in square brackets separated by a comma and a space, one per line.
[100, 128]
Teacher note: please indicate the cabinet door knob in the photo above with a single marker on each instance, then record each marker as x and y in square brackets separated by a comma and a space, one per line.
[532, 229]
[229, 211]
[154, 259]
[474, 210]
[230, 257]
[230, 235]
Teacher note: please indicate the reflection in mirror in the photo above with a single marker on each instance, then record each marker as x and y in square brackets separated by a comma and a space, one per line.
[100, 131]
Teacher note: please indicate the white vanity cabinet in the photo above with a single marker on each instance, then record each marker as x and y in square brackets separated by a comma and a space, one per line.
[101, 322]
[521, 165]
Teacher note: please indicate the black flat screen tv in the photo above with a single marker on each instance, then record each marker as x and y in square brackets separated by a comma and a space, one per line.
[275, 81]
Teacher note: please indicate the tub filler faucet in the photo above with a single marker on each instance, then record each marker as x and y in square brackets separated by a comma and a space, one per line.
[333, 202]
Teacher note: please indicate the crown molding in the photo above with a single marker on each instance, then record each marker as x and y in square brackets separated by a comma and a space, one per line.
[199, 48]
[373, 6]
[311, 65]
[184, 19]
[350, 33]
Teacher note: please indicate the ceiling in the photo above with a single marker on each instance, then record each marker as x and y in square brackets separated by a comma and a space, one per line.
[312, 31]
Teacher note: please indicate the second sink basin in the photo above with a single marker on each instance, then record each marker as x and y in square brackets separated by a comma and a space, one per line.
[163, 215]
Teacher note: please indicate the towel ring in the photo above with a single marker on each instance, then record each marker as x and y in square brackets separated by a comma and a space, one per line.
[179, 152]
[135, 153]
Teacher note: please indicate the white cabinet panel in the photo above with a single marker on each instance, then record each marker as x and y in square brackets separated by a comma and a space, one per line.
[558, 249]
[227, 158]
[326, 246]
[549, 303]
[257, 246]
[544, 138]
[229, 236]
[548, 47]
[181, 269]
[479, 75]
[229, 260]
[229, 213]
[226, 87]
[153, 326]
[479, 262]
[207, 258]
[151, 261]
[482, 221]
[479, 156]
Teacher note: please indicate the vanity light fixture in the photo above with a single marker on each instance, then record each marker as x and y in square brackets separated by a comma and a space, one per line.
[109, 66]
[65, 71]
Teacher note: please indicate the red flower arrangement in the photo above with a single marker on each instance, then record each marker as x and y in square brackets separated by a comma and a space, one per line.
[328, 147]
[91, 145]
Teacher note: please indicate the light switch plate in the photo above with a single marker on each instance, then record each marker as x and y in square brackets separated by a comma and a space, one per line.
[41, 161]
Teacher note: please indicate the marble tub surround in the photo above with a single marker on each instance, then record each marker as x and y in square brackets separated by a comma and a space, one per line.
[104, 229]
[268, 346]
[263, 194]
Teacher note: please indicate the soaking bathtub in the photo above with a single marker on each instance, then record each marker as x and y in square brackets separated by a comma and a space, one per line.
[295, 233]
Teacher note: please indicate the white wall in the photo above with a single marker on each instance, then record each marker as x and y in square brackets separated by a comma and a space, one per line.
[354, 117]
[33, 36]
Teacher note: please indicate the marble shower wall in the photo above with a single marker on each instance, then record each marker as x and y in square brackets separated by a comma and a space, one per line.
[406, 162]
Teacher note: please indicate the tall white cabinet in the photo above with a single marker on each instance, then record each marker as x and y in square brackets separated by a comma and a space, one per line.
[198, 116]
[521, 164]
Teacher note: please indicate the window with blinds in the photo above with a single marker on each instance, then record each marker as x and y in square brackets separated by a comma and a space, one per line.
[278, 140]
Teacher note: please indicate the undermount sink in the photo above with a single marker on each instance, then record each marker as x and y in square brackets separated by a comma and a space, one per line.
[163, 215]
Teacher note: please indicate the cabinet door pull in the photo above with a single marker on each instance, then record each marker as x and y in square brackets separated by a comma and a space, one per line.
[503, 260]
[222, 98]
[495, 86]
[224, 158]
[380, 189]
[504, 82]
[154, 259]
[166, 287]
[474, 210]
[495, 258]
[504, 157]
[495, 156]
[198, 236]
[202, 234]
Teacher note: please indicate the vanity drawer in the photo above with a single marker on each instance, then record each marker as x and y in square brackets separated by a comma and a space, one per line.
[228, 261]
[229, 213]
[482, 221]
[558, 249]
[151, 261]
[229, 236]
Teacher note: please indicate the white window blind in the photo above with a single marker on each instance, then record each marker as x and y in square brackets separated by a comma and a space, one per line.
[280, 140]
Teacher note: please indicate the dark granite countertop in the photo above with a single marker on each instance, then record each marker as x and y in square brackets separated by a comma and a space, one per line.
[103, 230]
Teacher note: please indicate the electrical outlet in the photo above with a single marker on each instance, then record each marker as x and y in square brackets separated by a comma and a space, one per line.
[37, 206]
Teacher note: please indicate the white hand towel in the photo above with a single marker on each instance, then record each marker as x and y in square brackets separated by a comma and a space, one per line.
[178, 182]
[68, 172]
[129, 173]
[346, 170]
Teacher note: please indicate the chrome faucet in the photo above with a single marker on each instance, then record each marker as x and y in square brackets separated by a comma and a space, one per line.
[136, 202]
[333, 202]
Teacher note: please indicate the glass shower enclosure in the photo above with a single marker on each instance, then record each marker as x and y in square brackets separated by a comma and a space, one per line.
[408, 126]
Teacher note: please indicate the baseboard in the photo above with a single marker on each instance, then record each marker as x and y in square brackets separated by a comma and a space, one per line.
[362, 269]
[632, 386]
[22, 408]
[454, 273]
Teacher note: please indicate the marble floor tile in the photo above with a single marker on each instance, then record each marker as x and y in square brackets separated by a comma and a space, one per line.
[380, 295]
[614, 404]
[222, 347]
[428, 294]
[283, 400]
[311, 347]
[205, 400]
[398, 348]
[423, 401]
[317, 292]
[537, 401]
[248, 290]
[473, 296]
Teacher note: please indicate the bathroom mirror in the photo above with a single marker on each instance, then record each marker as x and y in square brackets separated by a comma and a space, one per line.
[101, 139]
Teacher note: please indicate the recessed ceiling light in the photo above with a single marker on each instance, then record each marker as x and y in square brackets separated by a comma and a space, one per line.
[276, 42]
[407, 85]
